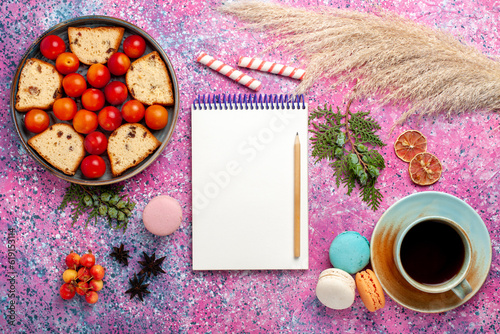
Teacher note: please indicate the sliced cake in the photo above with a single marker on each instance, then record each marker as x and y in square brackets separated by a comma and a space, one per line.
[94, 45]
[61, 146]
[129, 145]
[39, 86]
[149, 82]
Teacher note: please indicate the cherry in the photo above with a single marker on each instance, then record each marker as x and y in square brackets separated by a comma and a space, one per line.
[69, 275]
[73, 260]
[91, 297]
[87, 260]
[67, 291]
[82, 277]
[96, 285]
[84, 274]
[97, 272]
[82, 288]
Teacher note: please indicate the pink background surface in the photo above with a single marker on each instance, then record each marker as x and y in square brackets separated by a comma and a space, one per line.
[240, 301]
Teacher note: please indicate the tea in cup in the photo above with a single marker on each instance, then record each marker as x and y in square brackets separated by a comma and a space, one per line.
[433, 254]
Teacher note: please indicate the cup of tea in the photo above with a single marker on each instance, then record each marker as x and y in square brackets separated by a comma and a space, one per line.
[433, 254]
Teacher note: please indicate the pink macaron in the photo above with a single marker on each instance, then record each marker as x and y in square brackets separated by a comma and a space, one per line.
[162, 216]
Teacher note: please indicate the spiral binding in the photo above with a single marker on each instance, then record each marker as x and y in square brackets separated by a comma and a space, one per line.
[251, 101]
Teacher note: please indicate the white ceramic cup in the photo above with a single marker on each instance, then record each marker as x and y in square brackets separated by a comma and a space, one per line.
[458, 283]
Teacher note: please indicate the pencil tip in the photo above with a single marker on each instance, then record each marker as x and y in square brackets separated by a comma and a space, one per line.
[297, 133]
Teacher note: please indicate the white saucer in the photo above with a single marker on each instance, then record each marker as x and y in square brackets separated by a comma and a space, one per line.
[405, 211]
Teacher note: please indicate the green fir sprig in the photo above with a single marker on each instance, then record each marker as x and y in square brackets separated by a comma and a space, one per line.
[95, 201]
[349, 141]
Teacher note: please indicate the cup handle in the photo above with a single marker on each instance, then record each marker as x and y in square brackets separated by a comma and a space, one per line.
[463, 289]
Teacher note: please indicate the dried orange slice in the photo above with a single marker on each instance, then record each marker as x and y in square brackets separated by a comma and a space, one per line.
[425, 169]
[409, 144]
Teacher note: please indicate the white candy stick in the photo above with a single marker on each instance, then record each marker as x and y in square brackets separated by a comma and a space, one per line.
[228, 71]
[270, 67]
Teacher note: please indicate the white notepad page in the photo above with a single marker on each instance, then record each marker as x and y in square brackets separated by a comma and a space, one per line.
[243, 186]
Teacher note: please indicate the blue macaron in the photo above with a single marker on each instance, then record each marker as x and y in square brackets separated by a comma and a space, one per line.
[350, 251]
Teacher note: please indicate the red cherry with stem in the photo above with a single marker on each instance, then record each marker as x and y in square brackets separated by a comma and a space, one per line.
[73, 260]
[97, 272]
[82, 288]
[67, 291]
[87, 260]
[91, 297]
[84, 274]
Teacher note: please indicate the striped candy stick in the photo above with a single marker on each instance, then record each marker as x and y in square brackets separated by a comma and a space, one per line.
[270, 67]
[228, 71]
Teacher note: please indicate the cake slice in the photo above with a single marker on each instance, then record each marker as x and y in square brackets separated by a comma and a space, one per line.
[39, 86]
[94, 45]
[61, 146]
[148, 80]
[129, 145]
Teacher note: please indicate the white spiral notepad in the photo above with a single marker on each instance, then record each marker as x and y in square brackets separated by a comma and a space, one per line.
[243, 182]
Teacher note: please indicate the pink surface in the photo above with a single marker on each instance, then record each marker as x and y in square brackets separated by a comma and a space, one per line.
[257, 302]
[162, 216]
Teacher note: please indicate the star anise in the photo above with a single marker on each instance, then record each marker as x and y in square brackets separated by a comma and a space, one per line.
[151, 265]
[138, 288]
[120, 255]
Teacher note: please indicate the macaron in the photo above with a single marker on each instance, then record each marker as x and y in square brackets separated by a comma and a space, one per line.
[162, 216]
[350, 251]
[335, 289]
[370, 290]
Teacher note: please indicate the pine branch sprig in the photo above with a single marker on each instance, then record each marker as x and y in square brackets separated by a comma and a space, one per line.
[371, 195]
[349, 141]
[103, 201]
[340, 171]
[365, 128]
[324, 142]
[374, 158]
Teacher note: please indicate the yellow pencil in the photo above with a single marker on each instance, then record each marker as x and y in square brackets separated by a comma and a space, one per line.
[296, 221]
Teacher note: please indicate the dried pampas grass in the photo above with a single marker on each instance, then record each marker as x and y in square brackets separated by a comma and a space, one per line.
[393, 59]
